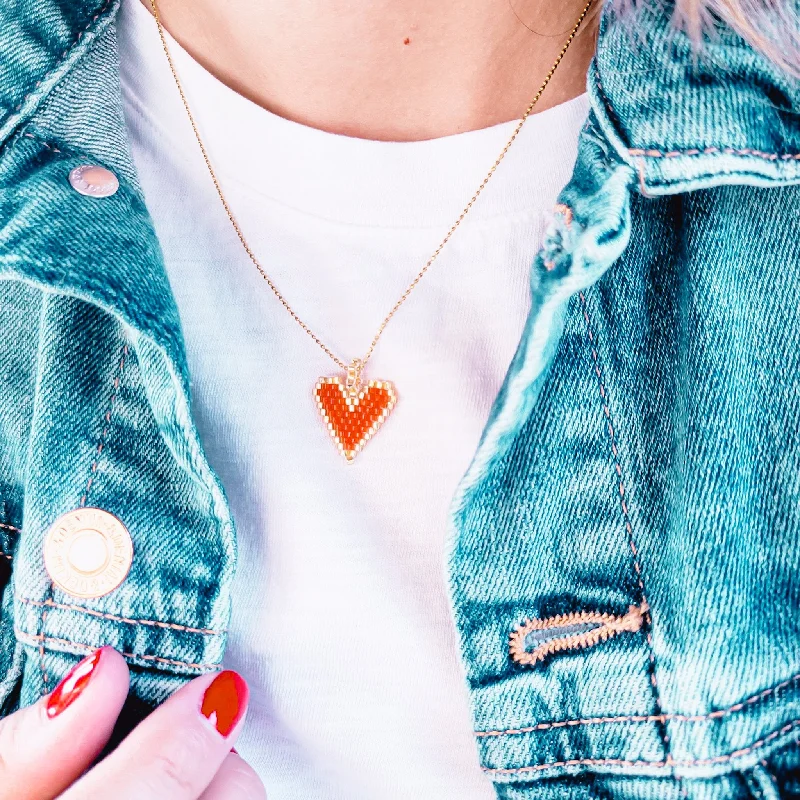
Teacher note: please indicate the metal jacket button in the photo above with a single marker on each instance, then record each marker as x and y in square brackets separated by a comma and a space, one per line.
[88, 552]
[93, 181]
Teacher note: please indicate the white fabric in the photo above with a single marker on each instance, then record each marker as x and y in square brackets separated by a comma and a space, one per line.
[341, 623]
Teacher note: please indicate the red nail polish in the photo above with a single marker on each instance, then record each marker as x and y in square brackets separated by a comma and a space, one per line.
[73, 683]
[225, 701]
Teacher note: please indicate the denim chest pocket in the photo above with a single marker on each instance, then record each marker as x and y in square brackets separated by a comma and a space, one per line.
[657, 468]
[97, 455]
[557, 626]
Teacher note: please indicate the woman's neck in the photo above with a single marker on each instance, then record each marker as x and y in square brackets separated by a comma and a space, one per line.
[401, 70]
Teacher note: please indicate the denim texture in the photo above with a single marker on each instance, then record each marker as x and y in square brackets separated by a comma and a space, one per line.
[644, 452]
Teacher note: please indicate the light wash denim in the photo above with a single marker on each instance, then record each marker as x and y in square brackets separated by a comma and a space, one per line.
[642, 460]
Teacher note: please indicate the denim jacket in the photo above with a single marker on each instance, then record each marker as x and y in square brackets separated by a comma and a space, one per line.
[624, 566]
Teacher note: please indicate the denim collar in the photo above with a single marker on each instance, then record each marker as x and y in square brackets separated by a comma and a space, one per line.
[685, 120]
[41, 42]
[63, 108]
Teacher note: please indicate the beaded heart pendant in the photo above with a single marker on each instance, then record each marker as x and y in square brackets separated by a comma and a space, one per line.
[353, 412]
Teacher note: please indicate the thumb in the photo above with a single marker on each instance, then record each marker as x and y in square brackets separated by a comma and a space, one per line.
[45, 747]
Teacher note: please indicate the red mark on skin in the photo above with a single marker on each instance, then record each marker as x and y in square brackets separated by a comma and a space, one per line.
[406, 40]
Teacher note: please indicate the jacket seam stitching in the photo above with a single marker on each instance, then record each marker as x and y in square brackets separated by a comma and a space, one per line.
[42, 142]
[648, 626]
[659, 183]
[5, 527]
[700, 762]
[728, 151]
[22, 635]
[772, 779]
[115, 618]
[639, 718]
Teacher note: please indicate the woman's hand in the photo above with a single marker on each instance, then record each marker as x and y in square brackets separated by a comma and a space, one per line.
[182, 751]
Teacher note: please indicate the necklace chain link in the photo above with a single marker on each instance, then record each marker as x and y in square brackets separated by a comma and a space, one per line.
[360, 363]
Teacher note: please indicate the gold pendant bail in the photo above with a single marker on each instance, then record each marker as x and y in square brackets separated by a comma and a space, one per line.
[353, 380]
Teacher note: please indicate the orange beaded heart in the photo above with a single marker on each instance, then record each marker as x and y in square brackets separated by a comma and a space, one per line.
[353, 413]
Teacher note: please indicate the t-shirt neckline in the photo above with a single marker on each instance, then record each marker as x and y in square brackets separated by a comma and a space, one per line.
[331, 176]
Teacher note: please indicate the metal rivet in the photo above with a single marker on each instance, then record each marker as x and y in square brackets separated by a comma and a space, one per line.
[93, 181]
[88, 552]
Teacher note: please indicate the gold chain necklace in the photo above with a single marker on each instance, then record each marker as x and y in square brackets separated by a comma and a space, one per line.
[354, 411]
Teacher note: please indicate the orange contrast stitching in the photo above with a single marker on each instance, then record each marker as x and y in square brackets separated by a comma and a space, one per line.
[63, 56]
[574, 763]
[89, 648]
[5, 527]
[171, 625]
[44, 144]
[701, 762]
[630, 718]
[728, 151]
[609, 626]
[772, 779]
[628, 528]
[42, 620]
[565, 212]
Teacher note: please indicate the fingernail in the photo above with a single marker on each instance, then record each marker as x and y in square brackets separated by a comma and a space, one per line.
[225, 701]
[72, 685]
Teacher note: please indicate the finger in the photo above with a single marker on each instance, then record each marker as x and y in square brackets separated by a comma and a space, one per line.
[46, 746]
[175, 752]
[236, 780]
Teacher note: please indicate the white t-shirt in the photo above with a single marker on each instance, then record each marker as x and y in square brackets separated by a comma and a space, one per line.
[341, 623]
